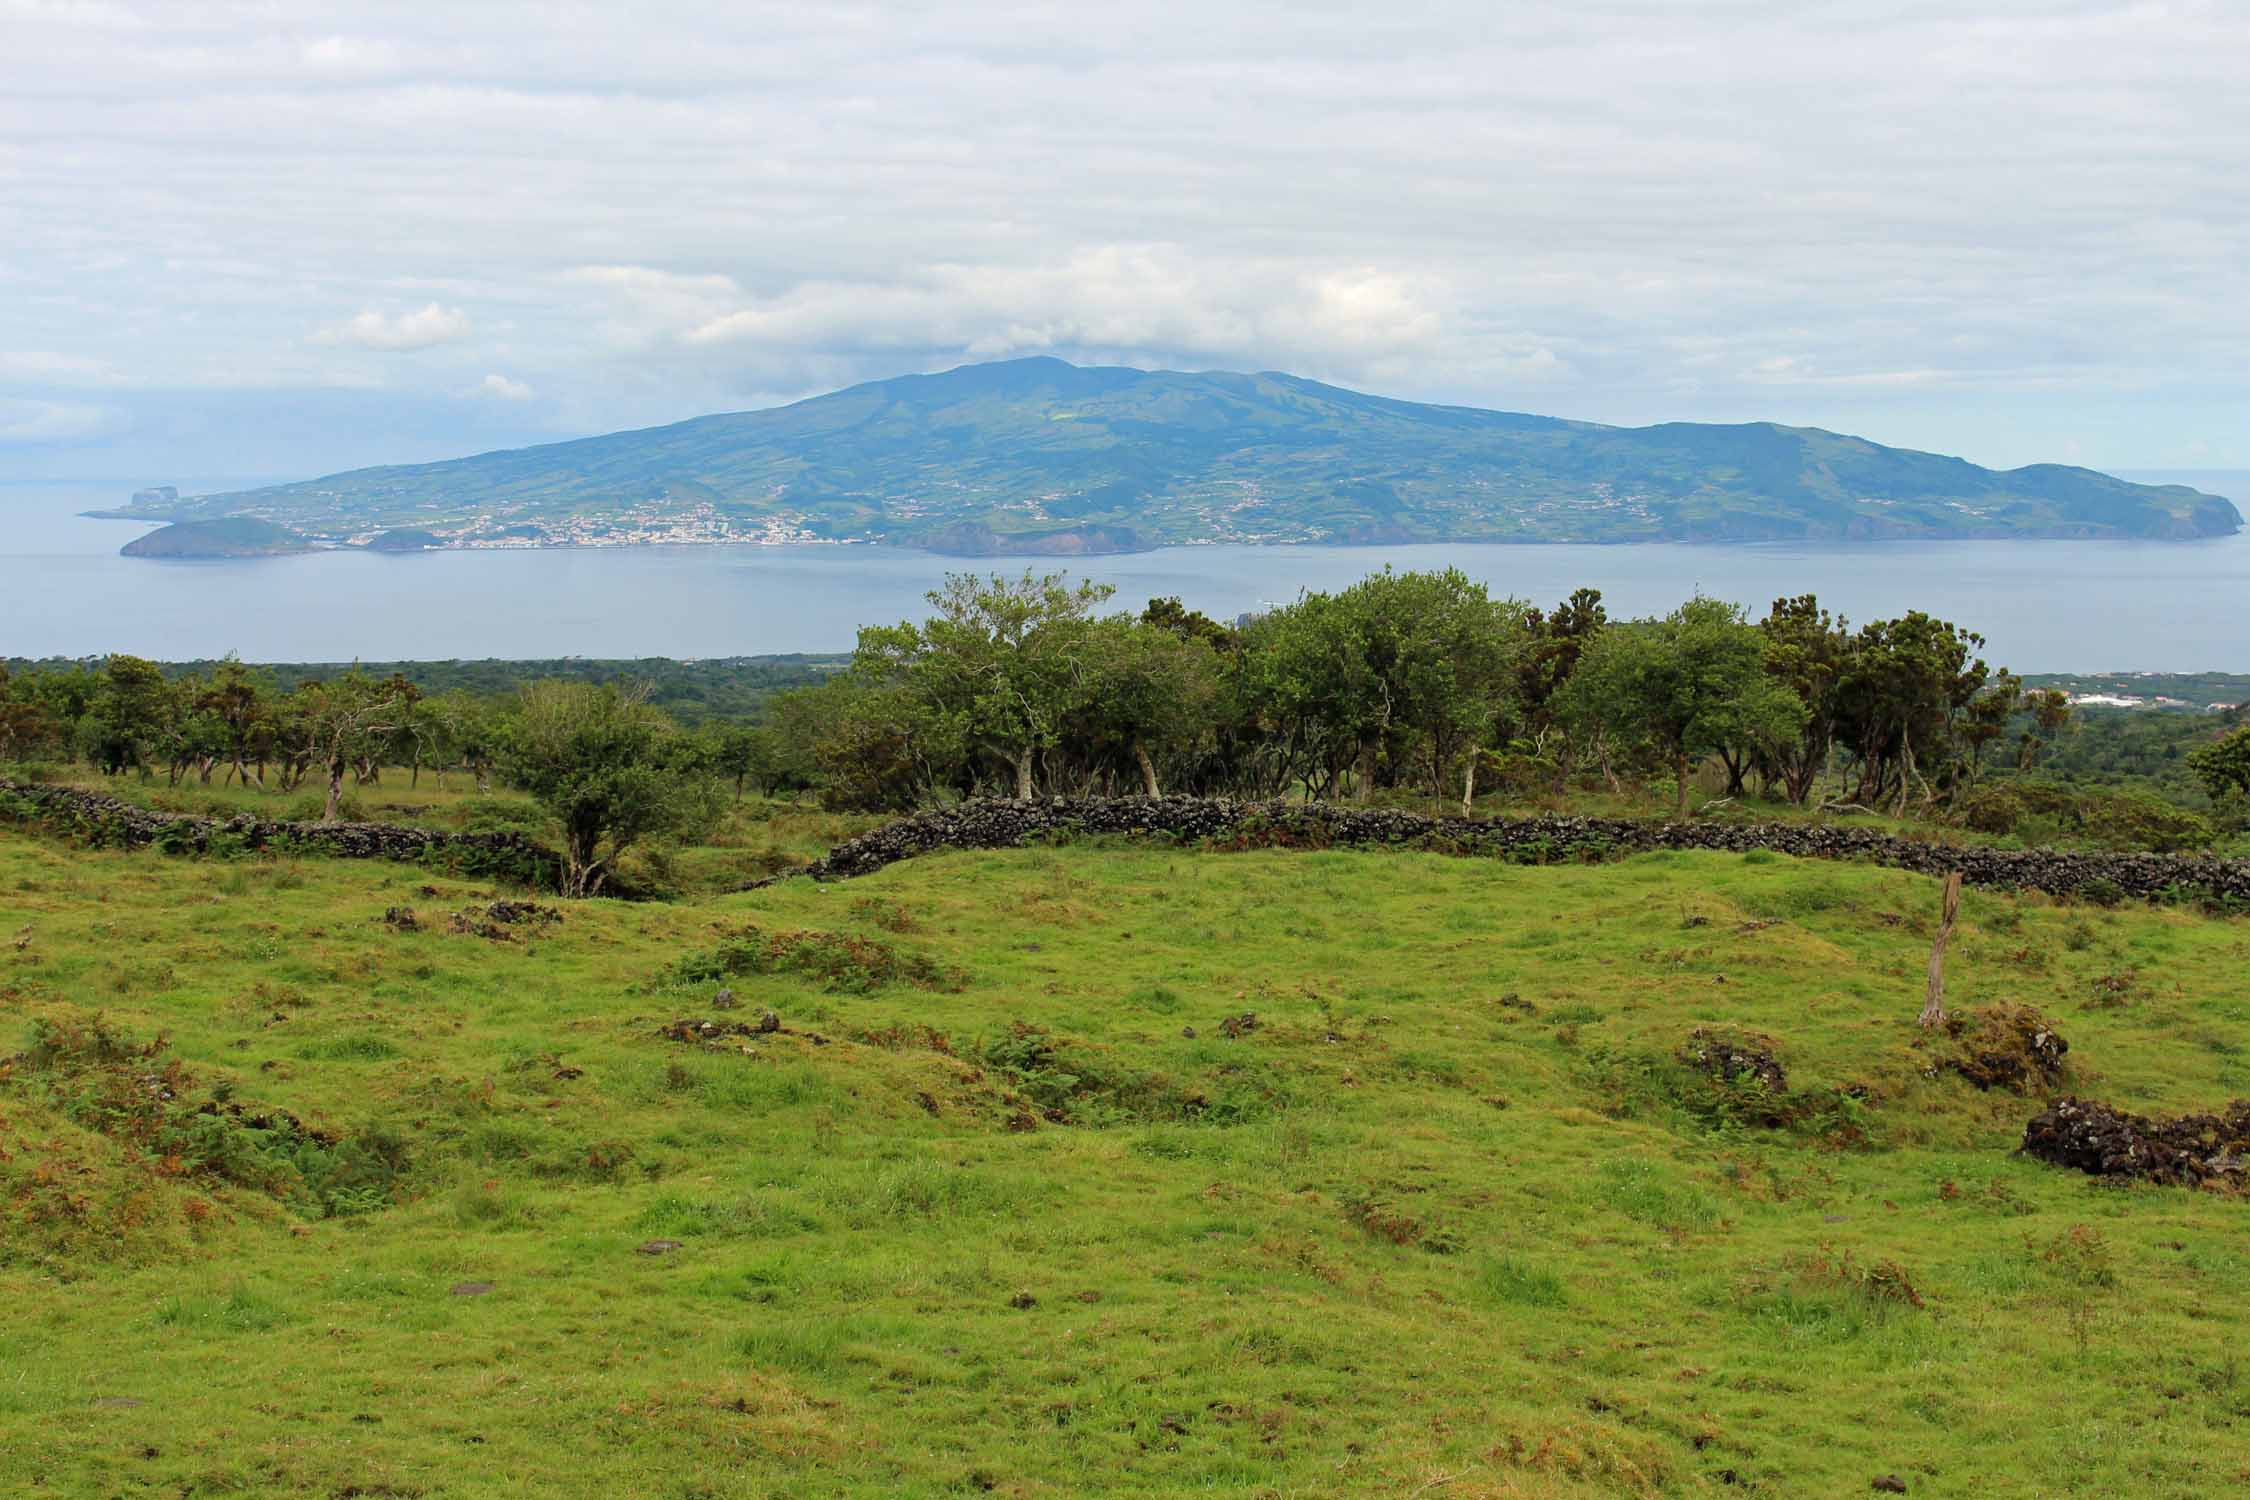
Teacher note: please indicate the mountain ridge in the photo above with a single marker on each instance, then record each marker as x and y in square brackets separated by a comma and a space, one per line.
[1038, 455]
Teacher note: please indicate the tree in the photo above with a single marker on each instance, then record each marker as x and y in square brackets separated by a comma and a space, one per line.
[1147, 689]
[346, 721]
[1442, 656]
[130, 706]
[1554, 642]
[192, 734]
[1905, 688]
[738, 751]
[1986, 718]
[1807, 652]
[463, 730]
[25, 724]
[1190, 624]
[1306, 690]
[1694, 682]
[238, 703]
[2224, 765]
[878, 747]
[999, 659]
[600, 761]
[2050, 715]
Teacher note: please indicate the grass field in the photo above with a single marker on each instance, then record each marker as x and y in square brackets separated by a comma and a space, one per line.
[1093, 1170]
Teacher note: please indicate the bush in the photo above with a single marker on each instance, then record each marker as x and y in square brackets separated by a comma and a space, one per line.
[2107, 819]
[841, 962]
[136, 1093]
[1070, 1083]
[1992, 809]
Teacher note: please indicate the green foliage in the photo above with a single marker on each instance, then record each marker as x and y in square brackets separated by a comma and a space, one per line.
[2047, 812]
[606, 768]
[998, 668]
[1402, 687]
[1690, 685]
[140, 1095]
[2224, 766]
[841, 962]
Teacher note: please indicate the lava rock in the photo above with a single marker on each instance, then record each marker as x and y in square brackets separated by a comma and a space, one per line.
[2105, 1142]
[1229, 824]
[1729, 1055]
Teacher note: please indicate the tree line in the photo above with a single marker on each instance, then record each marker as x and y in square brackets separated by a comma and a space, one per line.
[1019, 686]
[1417, 681]
[611, 770]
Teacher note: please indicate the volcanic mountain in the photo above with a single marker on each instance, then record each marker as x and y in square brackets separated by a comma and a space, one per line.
[1041, 456]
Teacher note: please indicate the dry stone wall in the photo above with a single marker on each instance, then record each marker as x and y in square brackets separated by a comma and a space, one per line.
[1211, 821]
[113, 821]
[1541, 840]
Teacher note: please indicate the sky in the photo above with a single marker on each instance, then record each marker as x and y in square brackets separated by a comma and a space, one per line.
[287, 238]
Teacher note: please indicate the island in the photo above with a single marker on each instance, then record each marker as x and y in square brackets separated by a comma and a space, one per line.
[1042, 457]
[406, 539]
[222, 536]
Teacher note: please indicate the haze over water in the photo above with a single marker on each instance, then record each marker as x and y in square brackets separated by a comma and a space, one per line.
[64, 591]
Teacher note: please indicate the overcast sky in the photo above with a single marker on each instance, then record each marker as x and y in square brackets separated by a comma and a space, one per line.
[292, 237]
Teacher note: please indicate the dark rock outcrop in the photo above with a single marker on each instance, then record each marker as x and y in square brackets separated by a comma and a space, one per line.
[1729, 1056]
[2105, 1142]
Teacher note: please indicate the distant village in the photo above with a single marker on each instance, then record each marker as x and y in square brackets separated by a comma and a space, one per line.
[2121, 700]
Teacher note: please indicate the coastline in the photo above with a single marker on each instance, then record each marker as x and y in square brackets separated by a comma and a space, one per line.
[1832, 541]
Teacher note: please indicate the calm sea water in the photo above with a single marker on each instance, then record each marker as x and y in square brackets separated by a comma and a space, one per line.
[2044, 606]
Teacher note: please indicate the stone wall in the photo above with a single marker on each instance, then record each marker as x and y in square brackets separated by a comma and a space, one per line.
[112, 821]
[1005, 825]
[1220, 821]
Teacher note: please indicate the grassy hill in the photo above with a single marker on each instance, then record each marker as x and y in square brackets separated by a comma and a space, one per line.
[222, 536]
[1092, 1170]
[1036, 455]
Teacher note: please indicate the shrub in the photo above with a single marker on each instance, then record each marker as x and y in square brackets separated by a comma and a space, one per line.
[1992, 809]
[841, 962]
[1073, 1084]
[1375, 1214]
[1883, 1283]
[2101, 891]
[135, 1093]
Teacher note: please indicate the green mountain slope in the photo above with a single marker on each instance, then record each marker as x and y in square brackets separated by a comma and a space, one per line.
[1040, 455]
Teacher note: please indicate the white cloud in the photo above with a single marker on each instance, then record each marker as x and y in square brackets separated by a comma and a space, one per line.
[423, 328]
[350, 54]
[1985, 225]
[50, 367]
[30, 422]
[501, 388]
[1150, 300]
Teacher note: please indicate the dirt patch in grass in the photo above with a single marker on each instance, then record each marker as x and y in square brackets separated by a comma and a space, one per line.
[696, 1032]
